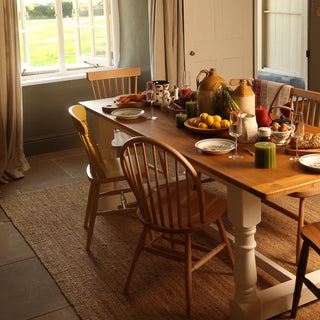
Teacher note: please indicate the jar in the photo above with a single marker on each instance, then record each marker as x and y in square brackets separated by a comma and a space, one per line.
[244, 97]
[264, 134]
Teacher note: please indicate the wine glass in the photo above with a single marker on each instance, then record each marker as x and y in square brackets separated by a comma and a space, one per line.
[150, 99]
[297, 131]
[235, 130]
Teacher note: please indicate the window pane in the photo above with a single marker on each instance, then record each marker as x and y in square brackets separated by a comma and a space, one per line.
[42, 33]
[69, 32]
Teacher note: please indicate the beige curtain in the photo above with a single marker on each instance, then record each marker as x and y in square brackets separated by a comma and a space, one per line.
[166, 40]
[12, 161]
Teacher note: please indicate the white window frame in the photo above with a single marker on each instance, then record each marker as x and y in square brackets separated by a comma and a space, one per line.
[63, 72]
[259, 36]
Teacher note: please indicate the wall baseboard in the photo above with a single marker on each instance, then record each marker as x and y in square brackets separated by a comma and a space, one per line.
[51, 144]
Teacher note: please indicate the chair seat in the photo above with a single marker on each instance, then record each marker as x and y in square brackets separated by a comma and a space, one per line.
[312, 232]
[215, 207]
[113, 171]
[305, 193]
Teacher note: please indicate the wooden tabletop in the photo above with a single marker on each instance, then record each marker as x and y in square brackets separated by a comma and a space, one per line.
[288, 176]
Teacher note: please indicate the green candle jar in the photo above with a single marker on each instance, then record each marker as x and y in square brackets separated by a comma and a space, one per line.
[191, 109]
[265, 154]
[180, 119]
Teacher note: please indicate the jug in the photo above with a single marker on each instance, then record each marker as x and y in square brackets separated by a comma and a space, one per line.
[207, 87]
[244, 97]
[249, 128]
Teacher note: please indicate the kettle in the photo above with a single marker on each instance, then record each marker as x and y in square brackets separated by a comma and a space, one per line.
[207, 87]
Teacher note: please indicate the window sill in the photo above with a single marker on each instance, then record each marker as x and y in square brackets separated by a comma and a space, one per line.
[51, 79]
[33, 80]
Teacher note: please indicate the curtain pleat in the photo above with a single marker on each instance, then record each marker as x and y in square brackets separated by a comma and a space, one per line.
[12, 160]
[166, 40]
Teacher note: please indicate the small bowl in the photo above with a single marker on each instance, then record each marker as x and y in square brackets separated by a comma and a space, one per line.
[280, 137]
[174, 111]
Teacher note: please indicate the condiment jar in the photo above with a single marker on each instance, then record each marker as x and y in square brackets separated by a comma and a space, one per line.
[264, 134]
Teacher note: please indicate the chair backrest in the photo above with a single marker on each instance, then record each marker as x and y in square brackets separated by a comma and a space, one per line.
[170, 196]
[111, 83]
[308, 102]
[79, 117]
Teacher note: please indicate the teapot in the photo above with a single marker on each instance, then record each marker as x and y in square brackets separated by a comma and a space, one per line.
[207, 87]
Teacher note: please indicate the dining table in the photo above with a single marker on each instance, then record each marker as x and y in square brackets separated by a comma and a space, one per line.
[247, 186]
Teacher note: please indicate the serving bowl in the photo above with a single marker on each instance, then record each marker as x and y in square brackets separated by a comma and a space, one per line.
[280, 137]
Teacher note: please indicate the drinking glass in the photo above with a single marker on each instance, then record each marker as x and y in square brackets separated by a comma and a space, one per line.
[297, 131]
[235, 130]
[150, 99]
[186, 82]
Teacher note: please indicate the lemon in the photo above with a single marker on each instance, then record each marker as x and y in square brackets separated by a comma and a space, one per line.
[216, 125]
[203, 116]
[217, 118]
[202, 125]
[209, 120]
[225, 123]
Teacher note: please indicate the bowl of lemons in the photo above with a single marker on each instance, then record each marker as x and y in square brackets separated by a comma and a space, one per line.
[207, 124]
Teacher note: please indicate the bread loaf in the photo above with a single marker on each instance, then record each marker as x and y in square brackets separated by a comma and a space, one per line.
[309, 141]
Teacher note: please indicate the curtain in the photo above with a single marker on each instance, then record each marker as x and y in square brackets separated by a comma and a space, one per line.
[166, 40]
[12, 160]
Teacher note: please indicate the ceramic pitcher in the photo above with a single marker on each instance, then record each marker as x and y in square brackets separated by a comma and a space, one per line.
[249, 128]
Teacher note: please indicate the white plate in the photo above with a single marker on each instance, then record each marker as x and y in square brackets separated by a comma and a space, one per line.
[215, 145]
[127, 113]
[311, 161]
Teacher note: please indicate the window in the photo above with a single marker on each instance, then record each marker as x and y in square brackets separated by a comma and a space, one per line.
[61, 37]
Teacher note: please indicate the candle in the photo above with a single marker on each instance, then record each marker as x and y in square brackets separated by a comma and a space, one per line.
[263, 118]
[180, 119]
[265, 154]
[185, 91]
[191, 109]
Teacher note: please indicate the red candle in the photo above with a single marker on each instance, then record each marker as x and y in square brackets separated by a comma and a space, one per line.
[262, 117]
[185, 91]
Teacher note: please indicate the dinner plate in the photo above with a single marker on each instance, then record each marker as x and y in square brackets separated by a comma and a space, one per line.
[127, 113]
[311, 161]
[202, 130]
[215, 145]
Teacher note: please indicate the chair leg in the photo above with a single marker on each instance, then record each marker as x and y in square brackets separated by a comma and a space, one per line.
[301, 270]
[89, 206]
[136, 258]
[93, 214]
[225, 240]
[188, 273]
[300, 225]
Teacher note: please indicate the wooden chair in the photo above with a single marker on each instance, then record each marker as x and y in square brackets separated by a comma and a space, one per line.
[309, 103]
[111, 83]
[173, 204]
[99, 171]
[311, 239]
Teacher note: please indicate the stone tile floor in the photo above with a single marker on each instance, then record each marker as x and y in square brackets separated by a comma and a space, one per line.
[27, 290]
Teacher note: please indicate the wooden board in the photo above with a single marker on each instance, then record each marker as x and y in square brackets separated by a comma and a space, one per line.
[290, 150]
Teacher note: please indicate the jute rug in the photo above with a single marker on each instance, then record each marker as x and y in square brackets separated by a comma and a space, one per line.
[51, 221]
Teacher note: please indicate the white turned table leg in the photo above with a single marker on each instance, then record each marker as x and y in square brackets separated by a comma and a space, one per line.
[244, 211]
